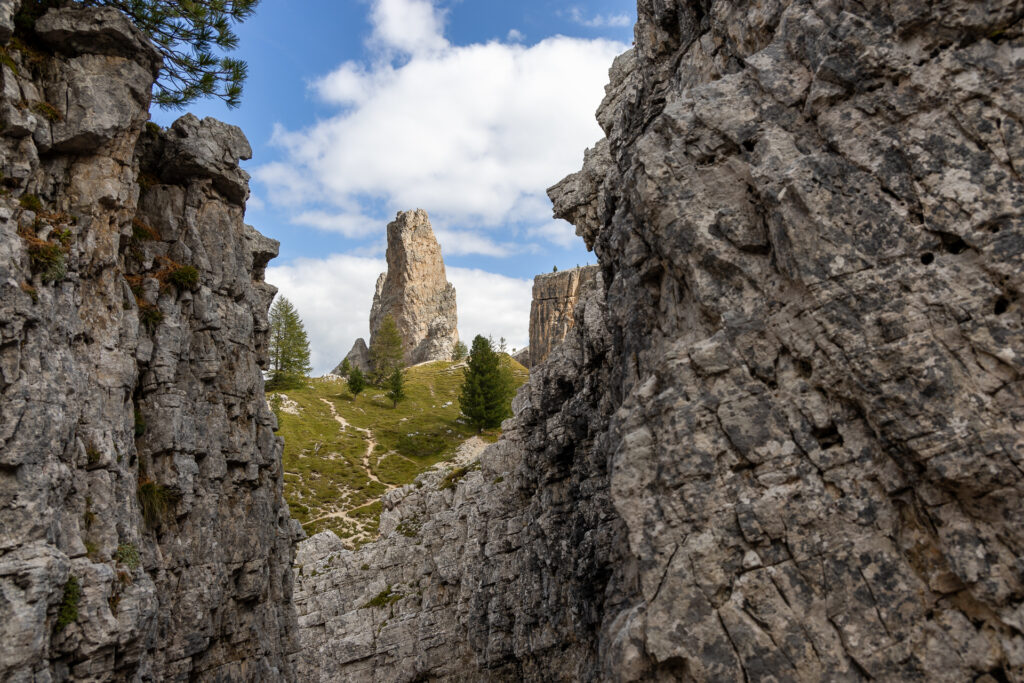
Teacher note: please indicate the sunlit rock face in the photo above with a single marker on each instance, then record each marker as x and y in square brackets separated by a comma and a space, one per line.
[415, 291]
[552, 311]
[143, 534]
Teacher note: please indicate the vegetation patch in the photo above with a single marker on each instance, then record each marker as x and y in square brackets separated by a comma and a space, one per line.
[31, 291]
[69, 603]
[150, 316]
[156, 502]
[410, 527]
[47, 111]
[383, 599]
[143, 232]
[456, 475]
[128, 555]
[31, 202]
[184, 277]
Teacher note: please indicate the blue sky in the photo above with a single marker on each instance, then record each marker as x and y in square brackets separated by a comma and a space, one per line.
[469, 109]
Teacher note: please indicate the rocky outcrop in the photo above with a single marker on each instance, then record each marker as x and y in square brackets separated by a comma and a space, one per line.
[358, 357]
[786, 443]
[415, 291]
[554, 300]
[143, 533]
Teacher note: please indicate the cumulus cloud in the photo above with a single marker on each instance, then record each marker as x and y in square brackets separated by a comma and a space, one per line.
[492, 305]
[410, 26]
[334, 294]
[515, 36]
[474, 134]
[600, 20]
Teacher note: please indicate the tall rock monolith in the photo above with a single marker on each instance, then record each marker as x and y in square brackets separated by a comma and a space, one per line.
[415, 291]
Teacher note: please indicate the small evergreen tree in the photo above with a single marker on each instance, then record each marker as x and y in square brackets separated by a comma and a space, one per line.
[346, 368]
[386, 353]
[488, 387]
[356, 382]
[289, 346]
[460, 351]
[396, 387]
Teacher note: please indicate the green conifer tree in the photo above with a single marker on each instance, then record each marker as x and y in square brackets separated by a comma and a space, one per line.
[289, 346]
[356, 382]
[488, 387]
[386, 353]
[460, 351]
[396, 387]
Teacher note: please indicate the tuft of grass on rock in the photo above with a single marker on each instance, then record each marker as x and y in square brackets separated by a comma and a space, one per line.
[47, 111]
[69, 603]
[383, 599]
[184, 277]
[128, 555]
[31, 202]
[156, 501]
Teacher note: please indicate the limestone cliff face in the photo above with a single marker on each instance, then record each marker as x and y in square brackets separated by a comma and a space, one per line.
[415, 291]
[555, 296]
[143, 533]
[785, 444]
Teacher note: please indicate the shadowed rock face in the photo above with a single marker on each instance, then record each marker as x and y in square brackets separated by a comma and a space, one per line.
[784, 442]
[358, 357]
[555, 296]
[415, 292]
[132, 336]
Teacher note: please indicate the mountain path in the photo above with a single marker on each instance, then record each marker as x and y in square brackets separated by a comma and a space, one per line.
[371, 443]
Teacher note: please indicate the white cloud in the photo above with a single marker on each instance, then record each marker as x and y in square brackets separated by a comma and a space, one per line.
[600, 20]
[474, 134]
[492, 305]
[348, 224]
[515, 36]
[255, 203]
[561, 233]
[409, 26]
[461, 243]
[333, 296]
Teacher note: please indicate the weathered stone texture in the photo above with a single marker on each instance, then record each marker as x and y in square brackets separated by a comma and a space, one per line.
[555, 296]
[787, 445]
[415, 291]
[116, 380]
[358, 357]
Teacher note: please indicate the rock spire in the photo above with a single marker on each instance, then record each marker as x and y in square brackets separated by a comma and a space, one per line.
[415, 291]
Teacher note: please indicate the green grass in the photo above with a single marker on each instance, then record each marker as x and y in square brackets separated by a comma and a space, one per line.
[324, 465]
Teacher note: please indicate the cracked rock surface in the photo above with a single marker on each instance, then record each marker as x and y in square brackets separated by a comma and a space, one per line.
[143, 532]
[784, 440]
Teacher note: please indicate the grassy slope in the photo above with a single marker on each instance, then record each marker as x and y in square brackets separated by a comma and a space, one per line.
[326, 465]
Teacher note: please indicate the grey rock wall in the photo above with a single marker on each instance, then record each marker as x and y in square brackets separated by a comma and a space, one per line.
[786, 443]
[555, 296]
[143, 534]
